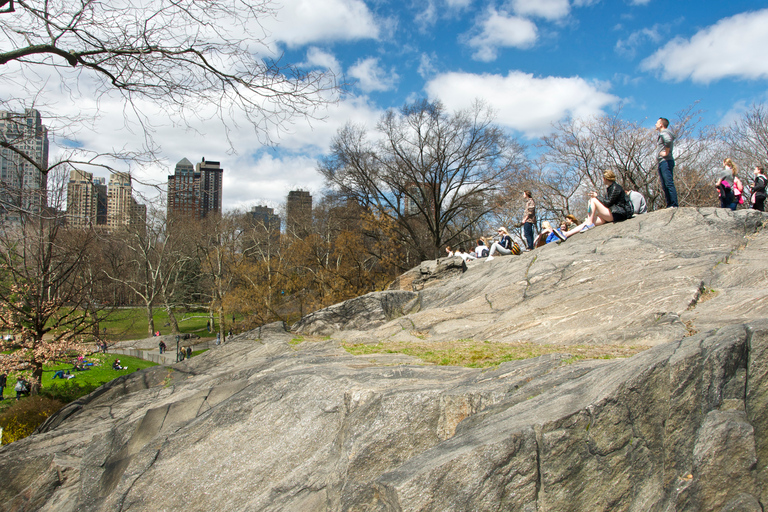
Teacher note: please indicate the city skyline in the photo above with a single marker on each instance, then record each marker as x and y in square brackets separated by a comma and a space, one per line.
[535, 62]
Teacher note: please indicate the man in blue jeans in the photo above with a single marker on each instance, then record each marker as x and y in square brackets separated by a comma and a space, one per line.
[666, 161]
[529, 219]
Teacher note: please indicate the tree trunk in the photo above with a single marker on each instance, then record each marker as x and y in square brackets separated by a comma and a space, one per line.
[150, 320]
[172, 320]
[37, 379]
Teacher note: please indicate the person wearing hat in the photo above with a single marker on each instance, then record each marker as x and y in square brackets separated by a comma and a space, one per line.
[612, 207]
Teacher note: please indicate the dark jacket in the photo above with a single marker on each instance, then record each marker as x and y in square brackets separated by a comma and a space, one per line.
[615, 199]
[759, 187]
[506, 242]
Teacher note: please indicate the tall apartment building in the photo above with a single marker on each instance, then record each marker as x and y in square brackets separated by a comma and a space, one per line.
[100, 184]
[82, 200]
[122, 209]
[195, 191]
[298, 212]
[22, 185]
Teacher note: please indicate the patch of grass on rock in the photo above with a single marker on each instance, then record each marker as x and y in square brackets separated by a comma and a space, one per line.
[485, 354]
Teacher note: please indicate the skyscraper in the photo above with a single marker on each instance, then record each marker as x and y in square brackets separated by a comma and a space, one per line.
[122, 209]
[23, 187]
[195, 191]
[298, 212]
[82, 199]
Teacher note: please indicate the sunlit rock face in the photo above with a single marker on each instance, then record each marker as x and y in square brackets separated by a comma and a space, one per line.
[264, 422]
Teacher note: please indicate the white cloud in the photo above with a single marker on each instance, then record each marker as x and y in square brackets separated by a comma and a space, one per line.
[523, 102]
[431, 10]
[628, 47]
[427, 67]
[300, 22]
[499, 30]
[547, 9]
[640, 2]
[371, 76]
[317, 58]
[732, 47]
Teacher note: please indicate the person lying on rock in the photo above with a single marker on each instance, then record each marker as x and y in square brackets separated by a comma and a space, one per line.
[604, 209]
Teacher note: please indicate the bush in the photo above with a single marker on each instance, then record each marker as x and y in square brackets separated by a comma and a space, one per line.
[23, 417]
[69, 390]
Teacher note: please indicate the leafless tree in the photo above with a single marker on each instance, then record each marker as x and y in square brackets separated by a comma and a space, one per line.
[432, 172]
[178, 55]
[579, 150]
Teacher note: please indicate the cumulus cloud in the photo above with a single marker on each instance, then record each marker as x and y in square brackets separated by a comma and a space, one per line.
[523, 102]
[317, 58]
[547, 9]
[371, 76]
[499, 30]
[732, 47]
[300, 22]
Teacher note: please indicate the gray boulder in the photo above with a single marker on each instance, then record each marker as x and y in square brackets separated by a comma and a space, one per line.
[262, 423]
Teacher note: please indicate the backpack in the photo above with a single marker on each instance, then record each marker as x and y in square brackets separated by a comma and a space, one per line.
[515, 249]
[484, 253]
[726, 192]
[629, 207]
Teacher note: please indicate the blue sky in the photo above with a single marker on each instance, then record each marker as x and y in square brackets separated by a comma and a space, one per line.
[534, 61]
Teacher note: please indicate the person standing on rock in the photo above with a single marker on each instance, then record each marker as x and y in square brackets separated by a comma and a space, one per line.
[758, 189]
[529, 218]
[666, 161]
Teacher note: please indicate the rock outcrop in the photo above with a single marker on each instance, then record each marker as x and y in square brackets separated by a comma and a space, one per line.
[273, 424]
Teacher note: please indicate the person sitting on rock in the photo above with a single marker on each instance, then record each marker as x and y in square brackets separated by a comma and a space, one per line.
[557, 234]
[503, 246]
[481, 251]
[464, 255]
[609, 208]
[449, 251]
[639, 206]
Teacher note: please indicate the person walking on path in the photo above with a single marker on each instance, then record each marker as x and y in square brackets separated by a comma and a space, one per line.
[666, 161]
[529, 218]
[162, 346]
[3, 383]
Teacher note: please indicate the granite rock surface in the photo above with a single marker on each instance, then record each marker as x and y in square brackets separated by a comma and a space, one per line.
[291, 422]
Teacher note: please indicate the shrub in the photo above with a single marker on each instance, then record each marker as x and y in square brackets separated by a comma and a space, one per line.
[22, 418]
[69, 390]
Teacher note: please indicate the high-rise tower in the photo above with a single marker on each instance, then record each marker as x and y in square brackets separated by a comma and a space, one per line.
[23, 187]
[195, 191]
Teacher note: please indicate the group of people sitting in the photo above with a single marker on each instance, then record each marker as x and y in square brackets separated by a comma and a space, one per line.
[505, 245]
[615, 205]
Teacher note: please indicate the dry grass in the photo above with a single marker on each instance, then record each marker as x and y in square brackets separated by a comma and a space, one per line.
[484, 354]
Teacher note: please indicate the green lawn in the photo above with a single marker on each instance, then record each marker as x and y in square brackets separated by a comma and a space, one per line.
[85, 381]
[131, 324]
